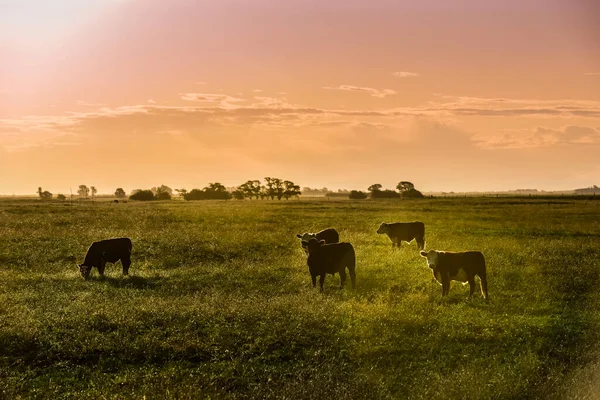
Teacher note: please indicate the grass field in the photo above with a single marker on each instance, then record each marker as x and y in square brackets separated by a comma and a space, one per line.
[219, 302]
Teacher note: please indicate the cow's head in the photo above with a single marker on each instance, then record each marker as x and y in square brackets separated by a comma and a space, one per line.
[383, 228]
[432, 258]
[85, 270]
[313, 244]
[305, 237]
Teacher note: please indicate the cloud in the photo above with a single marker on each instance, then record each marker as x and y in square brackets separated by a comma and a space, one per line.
[543, 137]
[370, 91]
[592, 73]
[403, 74]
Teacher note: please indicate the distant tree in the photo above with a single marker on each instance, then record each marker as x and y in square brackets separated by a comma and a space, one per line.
[44, 195]
[412, 194]
[61, 197]
[238, 194]
[94, 191]
[162, 192]
[214, 191]
[385, 194]
[181, 192]
[142, 195]
[251, 189]
[407, 190]
[290, 190]
[374, 188]
[217, 191]
[162, 189]
[83, 191]
[274, 188]
[194, 194]
[120, 193]
[357, 195]
[404, 186]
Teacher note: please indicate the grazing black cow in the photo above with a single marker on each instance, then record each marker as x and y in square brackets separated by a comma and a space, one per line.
[329, 235]
[115, 201]
[330, 258]
[461, 267]
[407, 231]
[110, 250]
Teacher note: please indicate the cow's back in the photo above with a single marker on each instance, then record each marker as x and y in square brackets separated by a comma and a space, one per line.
[407, 230]
[330, 258]
[329, 235]
[471, 260]
[110, 250]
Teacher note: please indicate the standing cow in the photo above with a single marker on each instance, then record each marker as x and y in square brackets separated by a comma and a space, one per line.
[109, 250]
[407, 231]
[329, 235]
[326, 259]
[461, 267]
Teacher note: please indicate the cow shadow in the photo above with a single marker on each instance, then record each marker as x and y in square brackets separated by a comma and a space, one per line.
[132, 282]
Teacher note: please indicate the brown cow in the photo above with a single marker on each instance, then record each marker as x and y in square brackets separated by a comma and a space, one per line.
[326, 259]
[461, 267]
[103, 251]
[407, 231]
[329, 235]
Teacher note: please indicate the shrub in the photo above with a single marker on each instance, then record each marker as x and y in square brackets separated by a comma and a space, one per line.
[142, 195]
[357, 195]
[412, 194]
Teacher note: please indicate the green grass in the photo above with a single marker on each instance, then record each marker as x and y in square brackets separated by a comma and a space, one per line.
[219, 302]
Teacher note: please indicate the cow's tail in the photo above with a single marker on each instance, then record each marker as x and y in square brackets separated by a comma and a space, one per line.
[483, 279]
[350, 263]
[421, 237]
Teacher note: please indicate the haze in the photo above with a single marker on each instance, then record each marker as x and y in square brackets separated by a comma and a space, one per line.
[451, 95]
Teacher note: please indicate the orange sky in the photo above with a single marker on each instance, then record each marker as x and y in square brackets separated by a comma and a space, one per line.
[451, 95]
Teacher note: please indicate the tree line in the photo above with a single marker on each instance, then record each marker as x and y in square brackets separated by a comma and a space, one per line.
[405, 190]
[272, 188]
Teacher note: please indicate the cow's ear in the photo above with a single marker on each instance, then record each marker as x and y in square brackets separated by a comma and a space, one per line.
[322, 242]
[299, 236]
[423, 254]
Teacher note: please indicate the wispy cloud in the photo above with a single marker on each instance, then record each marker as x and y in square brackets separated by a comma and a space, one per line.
[381, 93]
[404, 74]
[592, 73]
[543, 137]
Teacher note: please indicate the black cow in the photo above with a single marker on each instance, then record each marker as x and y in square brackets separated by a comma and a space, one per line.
[462, 267]
[407, 231]
[110, 250]
[330, 258]
[329, 235]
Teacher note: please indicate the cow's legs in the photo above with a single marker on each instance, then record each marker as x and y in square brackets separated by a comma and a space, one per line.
[321, 281]
[314, 280]
[101, 267]
[342, 277]
[421, 243]
[353, 277]
[445, 284]
[471, 280]
[126, 261]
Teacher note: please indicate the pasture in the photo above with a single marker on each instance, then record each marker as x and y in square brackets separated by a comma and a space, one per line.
[219, 302]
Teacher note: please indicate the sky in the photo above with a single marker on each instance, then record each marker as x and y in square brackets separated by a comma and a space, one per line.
[452, 95]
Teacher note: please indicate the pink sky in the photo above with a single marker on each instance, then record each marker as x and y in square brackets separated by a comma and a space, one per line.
[451, 95]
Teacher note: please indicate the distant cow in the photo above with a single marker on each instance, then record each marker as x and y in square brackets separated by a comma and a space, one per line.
[110, 250]
[115, 201]
[461, 267]
[330, 258]
[407, 231]
[329, 235]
